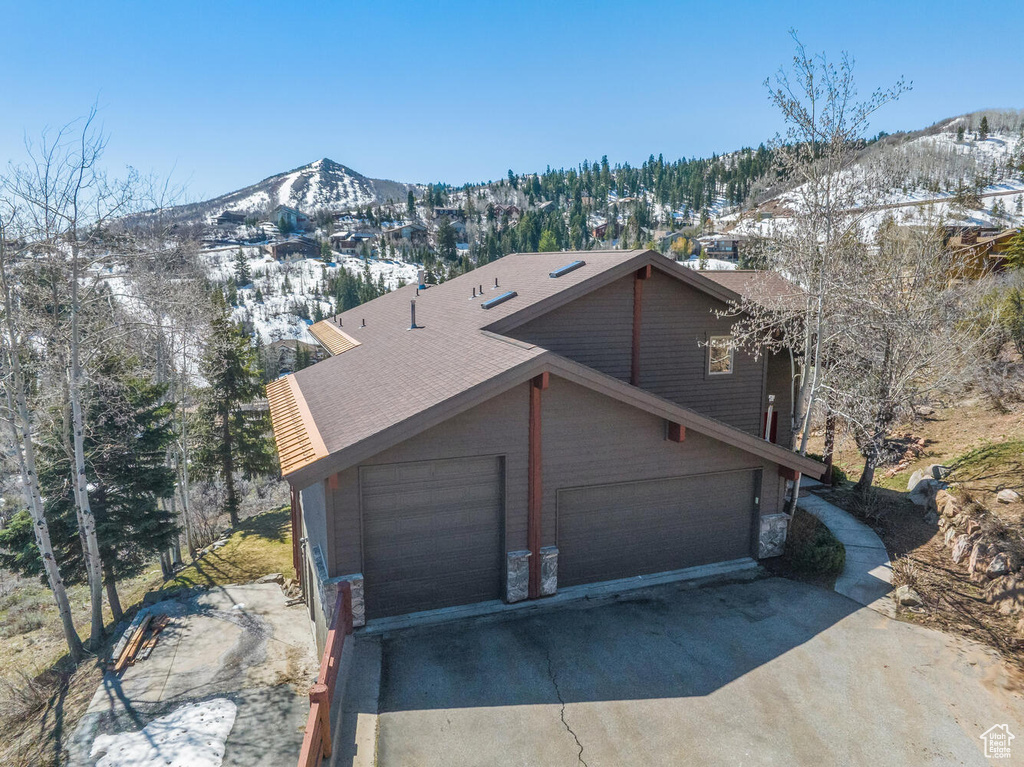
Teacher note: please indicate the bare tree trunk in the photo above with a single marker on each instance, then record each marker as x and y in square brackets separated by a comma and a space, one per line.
[110, 581]
[830, 445]
[93, 558]
[20, 423]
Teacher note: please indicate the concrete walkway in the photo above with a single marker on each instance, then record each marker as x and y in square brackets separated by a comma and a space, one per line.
[867, 576]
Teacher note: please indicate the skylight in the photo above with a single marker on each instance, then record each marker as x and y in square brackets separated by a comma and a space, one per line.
[499, 299]
[567, 268]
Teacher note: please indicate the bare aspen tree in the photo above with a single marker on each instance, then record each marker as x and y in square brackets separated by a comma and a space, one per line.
[69, 202]
[812, 248]
[21, 428]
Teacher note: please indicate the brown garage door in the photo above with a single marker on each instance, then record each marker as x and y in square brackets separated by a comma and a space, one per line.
[637, 528]
[432, 534]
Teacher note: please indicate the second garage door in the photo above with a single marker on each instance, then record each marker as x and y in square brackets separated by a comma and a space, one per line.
[637, 528]
[432, 534]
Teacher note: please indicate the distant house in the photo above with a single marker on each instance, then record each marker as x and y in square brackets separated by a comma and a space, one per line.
[288, 353]
[725, 247]
[294, 248]
[230, 218]
[349, 242]
[459, 226]
[978, 250]
[666, 242]
[414, 232]
[544, 207]
[450, 212]
[291, 218]
[601, 231]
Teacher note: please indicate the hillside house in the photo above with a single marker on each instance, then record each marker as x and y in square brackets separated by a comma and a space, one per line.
[349, 242]
[414, 232]
[725, 247]
[546, 420]
[449, 212]
[284, 354]
[290, 218]
[977, 251]
[230, 218]
[608, 229]
[295, 248]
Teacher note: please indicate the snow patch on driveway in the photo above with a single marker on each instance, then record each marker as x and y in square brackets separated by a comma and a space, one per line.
[190, 736]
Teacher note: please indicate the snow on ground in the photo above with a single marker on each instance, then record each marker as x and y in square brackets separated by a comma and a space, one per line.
[712, 264]
[275, 319]
[912, 171]
[191, 736]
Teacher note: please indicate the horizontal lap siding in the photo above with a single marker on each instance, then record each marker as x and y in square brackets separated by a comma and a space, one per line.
[677, 320]
[595, 330]
[590, 439]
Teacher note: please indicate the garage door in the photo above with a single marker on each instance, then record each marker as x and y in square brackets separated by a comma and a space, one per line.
[432, 534]
[637, 528]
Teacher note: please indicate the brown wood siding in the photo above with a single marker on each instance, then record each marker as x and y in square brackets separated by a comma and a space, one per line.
[496, 427]
[432, 534]
[678, 320]
[779, 383]
[595, 330]
[612, 531]
[591, 439]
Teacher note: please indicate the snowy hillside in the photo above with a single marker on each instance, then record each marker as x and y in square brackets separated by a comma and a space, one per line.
[950, 175]
[273, 316]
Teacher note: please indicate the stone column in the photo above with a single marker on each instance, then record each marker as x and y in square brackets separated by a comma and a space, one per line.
[772, 538]
[517, 576]
[548, 570]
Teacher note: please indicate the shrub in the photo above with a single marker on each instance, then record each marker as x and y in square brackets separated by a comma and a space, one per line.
[905, 573]
[811, 548]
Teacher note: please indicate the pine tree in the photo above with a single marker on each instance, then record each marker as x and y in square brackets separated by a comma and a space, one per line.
[1014, 253]
[410, 205]
[234, 439]
[960, 133]
[548, 243]
[446, 241]
[325, 251]
[126, 449]
[243, 276]
[983, 129]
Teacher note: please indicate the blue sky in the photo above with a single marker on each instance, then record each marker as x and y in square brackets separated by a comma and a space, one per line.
[219, 94]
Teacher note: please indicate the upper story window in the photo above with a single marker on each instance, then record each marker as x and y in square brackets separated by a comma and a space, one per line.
[720, 355]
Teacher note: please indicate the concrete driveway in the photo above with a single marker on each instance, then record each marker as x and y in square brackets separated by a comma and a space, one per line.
[770, 672]
[240, 647]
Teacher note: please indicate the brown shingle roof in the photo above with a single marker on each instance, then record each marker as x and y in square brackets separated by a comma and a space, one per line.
[765, 287]
[398, 378]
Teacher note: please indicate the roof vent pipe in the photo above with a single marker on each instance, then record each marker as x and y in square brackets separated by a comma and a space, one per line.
[474, 292]
[363, 325]
[495, 282]
[481, 290]
[421, 275]
[412, 309]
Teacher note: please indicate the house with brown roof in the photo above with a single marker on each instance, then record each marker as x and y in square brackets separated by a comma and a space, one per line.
[546, 421]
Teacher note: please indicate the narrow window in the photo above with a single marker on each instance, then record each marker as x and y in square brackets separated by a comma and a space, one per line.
[720, 355]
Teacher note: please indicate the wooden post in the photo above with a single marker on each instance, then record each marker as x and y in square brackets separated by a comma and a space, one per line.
[639, 277]
[535, 496]
[319, 695]
[296, 536]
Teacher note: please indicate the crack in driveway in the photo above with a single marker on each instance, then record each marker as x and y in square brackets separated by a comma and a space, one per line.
[561, 713]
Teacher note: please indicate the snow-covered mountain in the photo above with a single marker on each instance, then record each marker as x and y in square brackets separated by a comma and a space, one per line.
[321, 184]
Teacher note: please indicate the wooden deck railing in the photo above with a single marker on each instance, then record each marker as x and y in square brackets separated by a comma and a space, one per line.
[316, 745]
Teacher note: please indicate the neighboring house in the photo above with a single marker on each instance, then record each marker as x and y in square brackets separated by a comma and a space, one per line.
[414, 232]
[668, 239]
[286, 352]
[977, 252]
[725, 247]
[295, 248]
[349, 242]
[449, 212]
[295, 219]
[601, 231]
[549, 420]
[230, 218]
